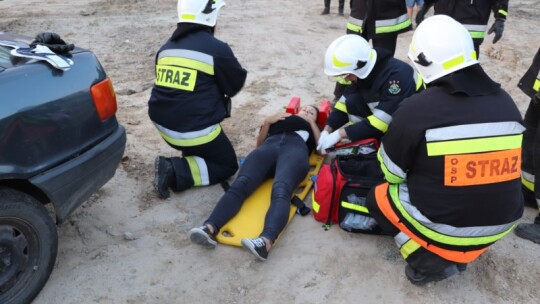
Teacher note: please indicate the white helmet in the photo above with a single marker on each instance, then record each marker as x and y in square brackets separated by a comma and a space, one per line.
[440, 46]
[349, 54]
[199, 11]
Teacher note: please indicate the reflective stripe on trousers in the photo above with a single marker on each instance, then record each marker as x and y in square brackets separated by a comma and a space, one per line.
[392, 25]
[199, 170]
[381, 195]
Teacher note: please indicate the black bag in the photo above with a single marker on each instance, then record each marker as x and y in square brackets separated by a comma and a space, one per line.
[362, 172]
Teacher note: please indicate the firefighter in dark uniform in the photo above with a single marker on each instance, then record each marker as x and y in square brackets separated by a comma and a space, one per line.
[377, 83]
[473, 14]
[451, 158]
[379, 21]
[530, 85]
[196, 75]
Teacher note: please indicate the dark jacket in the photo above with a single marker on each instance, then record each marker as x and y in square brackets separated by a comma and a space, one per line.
[458, 144]
[473, 14]
[378, 18]
[195, 74]
[370, 103]
[530, 82]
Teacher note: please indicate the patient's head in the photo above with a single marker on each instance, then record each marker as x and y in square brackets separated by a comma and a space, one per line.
[309, 113]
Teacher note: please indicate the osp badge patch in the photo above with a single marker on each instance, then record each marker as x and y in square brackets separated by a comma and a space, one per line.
[394, 87]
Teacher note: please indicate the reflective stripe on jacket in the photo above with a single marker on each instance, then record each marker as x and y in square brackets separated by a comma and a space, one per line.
[530, 82]
[369, 104]
[384, 17]
[194, 77]
[473, 14]
[453, 164]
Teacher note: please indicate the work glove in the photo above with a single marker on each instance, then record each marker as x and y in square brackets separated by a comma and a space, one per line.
[322, 137]
[328, 141]
[498, 29]
[53, 42]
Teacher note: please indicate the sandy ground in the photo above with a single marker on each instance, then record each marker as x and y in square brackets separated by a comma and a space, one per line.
[125, 245]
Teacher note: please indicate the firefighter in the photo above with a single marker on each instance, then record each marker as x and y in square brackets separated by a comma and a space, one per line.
[380, 21]
[451, 158]
[196, 75]
[473, 14]
[530, 85]
[375, 84]
[326, 9]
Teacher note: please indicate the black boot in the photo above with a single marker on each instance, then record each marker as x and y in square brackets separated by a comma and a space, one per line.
[326, 9]
[341, 6]
[419, 279]
[164, 176]
[530, 232]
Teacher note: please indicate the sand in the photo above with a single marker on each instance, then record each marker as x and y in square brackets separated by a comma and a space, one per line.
[125, 245]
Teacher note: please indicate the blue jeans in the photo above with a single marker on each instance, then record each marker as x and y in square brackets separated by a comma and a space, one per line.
[282, 156]
[410, 3]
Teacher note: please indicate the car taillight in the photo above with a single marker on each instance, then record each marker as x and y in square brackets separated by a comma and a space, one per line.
[104, 98]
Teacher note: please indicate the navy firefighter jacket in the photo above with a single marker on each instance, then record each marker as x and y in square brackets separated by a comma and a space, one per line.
[378, 18]
[456, 148]
[472, 14]
[368, 104]
[195, 75]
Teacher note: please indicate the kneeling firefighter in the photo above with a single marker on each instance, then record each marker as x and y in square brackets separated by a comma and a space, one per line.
[196, 75]
[530, 85]
[375, 84]
[451, 157]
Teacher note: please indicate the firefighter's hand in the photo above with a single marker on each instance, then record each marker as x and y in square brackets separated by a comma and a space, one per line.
[327, 141]
[322, 137]
[498, 29]
[53, 42]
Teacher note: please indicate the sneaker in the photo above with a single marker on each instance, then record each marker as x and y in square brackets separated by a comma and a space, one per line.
[529, 232]
[164, 174]
[257, 247]
[202, 236]
[419, 279]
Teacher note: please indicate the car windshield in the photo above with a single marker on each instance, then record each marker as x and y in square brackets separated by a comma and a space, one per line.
[4, 57]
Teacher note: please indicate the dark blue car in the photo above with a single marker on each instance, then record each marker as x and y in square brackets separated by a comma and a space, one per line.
[59, 143]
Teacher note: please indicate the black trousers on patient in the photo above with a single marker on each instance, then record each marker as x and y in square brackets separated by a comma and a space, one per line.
[282, 156]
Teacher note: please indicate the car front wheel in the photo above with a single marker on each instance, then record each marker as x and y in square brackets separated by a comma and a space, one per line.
[28, 246]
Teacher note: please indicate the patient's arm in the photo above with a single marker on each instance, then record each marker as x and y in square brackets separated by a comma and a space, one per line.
[263, 131]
